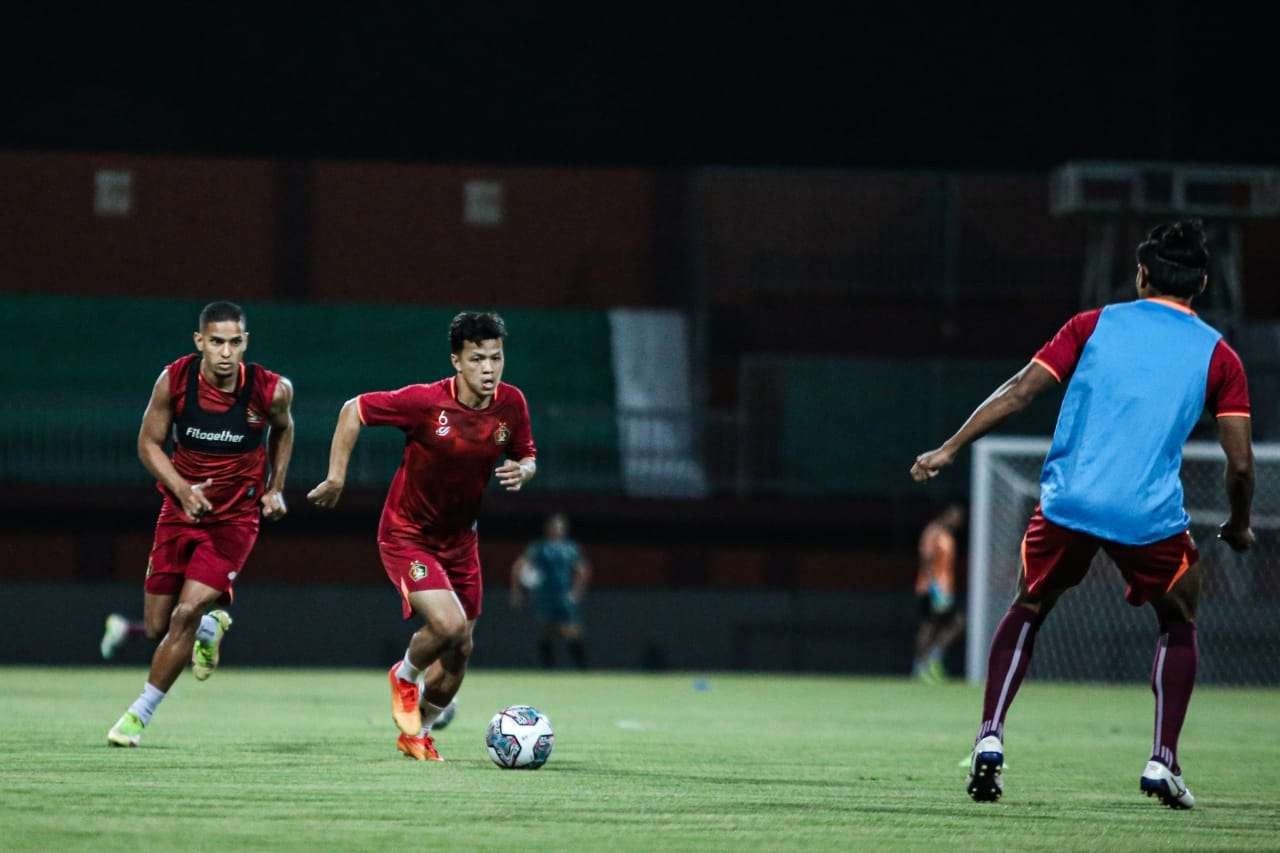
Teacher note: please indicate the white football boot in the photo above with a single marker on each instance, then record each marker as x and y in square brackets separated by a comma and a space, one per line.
[985, 766]
[113, 635]
[1159, 781]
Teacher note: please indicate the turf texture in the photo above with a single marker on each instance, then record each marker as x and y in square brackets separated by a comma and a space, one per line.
[287, 759]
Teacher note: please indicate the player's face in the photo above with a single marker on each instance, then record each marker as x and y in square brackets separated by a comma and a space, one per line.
[479, 367]
[222, 345]
[557, 528]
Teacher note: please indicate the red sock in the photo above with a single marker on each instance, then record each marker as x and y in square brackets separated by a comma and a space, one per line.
[1011, 649]
[1173, 675]
[137, 629]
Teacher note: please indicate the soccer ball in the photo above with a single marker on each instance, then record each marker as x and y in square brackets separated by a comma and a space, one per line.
[519, 738]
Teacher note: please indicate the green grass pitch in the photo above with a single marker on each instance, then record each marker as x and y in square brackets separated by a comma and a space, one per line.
[286, 759]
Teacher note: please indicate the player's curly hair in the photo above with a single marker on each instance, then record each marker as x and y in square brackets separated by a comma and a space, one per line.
[217, 312]
[1176, 257]
[475, 326]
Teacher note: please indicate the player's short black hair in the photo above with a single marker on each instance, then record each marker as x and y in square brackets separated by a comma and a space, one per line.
[217, 312]
[1176, 257]
[475, 326]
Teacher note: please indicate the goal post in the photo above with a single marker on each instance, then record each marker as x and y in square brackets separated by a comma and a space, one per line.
[1093, 635]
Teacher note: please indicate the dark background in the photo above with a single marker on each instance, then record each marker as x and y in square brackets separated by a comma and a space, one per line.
[906, 84]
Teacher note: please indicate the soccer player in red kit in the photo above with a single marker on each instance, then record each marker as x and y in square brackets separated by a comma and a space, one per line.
[219, 410]
[1138, 376]
[456, 432]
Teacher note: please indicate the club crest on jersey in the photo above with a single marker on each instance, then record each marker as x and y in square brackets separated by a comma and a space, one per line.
[502, 435]
[444, 427]
[417, 570]
[254, 417]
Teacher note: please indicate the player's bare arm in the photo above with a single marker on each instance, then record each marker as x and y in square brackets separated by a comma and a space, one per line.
[581, 577]
[518, 570]
[1235, 434]
[513, 475]
[279, 449]
[1014, 395]
[156, 422]
[326, 494]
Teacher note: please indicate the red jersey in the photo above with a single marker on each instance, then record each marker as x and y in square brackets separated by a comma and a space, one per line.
[1226, 389]
[450, 452]
[238, 478]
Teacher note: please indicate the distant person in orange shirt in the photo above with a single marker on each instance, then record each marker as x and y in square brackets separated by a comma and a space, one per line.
[940, 623]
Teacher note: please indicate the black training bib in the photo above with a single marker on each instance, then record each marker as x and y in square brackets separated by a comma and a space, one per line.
[208, 432]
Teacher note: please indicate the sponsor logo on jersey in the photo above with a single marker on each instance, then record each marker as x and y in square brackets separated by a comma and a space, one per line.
[417, 570]
[502, 434]
[444, 427]
[226, 435]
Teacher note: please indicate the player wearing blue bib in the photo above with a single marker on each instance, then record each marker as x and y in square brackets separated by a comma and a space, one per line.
[1138, 376]
[554, 574]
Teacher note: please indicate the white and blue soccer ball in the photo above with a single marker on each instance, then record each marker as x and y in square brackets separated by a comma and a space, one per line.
[519, 738]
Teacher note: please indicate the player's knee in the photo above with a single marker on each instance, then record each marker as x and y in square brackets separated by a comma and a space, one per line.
[185, 618]
[451, 629]
[156, 629]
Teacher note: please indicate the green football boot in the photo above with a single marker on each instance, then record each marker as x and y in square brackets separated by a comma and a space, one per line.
[127, 731]
[204, 655]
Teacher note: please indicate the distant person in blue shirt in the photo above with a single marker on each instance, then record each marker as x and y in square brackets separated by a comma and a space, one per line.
[1139, 374]
[553, 573]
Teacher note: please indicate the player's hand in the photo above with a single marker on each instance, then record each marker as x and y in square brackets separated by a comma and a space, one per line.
[194, 503]
[326, 494]
[273, 506]
[1240, 539]
[927, 465]
[512, 475]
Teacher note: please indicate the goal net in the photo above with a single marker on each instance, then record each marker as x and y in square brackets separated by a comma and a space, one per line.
[1093, 635]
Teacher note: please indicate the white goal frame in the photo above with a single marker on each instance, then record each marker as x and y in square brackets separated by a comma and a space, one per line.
[986, 453]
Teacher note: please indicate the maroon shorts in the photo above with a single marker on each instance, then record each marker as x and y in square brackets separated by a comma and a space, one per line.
[1055, 558]
[417, 563]
[212, 554]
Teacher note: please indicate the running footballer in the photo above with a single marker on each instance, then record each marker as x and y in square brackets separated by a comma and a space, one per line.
[232, 434]
[459, 432]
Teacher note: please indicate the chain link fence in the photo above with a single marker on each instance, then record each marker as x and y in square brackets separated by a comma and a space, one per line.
[1093, 634]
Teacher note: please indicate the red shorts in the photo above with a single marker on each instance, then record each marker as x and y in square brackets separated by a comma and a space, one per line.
[417, 563]
[212, 554]
[1055, 558]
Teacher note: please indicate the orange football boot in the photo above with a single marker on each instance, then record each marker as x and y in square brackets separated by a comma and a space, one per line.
[418, 748]
[405, 696]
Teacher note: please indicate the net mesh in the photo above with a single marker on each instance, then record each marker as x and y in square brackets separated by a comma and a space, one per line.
[1093, 634]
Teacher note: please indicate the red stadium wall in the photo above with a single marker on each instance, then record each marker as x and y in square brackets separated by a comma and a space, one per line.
[567, 237]
[197, 226]
[328, 231]
[782, 248]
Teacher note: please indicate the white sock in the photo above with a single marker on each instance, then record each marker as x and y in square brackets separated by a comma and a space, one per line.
[430, 713]
[407, 671]
[208, 630]
[145, 705]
